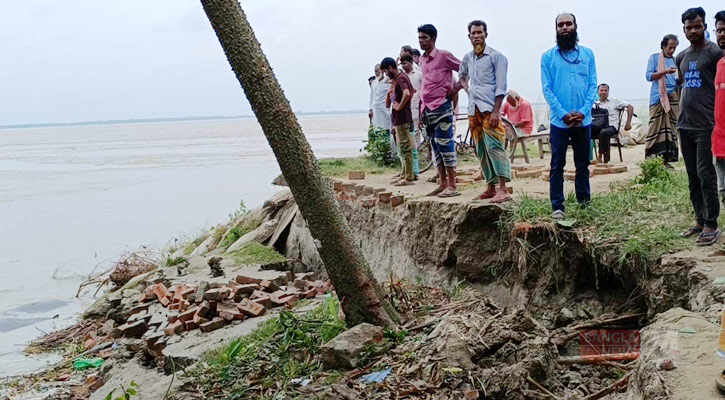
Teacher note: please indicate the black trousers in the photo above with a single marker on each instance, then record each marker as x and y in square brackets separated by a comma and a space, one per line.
[696, 151]
[605, 136]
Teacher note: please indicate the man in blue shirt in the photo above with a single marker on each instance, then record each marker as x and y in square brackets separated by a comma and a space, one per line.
[569, 82]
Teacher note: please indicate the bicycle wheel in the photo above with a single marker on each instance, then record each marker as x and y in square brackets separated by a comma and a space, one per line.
[425, 157]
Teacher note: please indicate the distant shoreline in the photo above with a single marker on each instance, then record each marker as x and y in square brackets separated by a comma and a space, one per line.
[167, 119]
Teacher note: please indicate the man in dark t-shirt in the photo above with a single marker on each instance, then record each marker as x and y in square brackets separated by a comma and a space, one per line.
[696, 67]
[399, 97]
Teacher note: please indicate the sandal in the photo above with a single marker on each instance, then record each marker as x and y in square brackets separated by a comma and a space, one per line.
[449, 193]
[691, 231]
[485, 195]
[437, 191]
[404, 182]
[708, 239]
[501, 200]
[720, 382]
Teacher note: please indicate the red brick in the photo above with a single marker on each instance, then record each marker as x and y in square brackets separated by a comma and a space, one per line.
[188, 314]
[190, 325]
[251, 308]
[262, 298]
[160, 345]
[147, 295]
[302, 284]
[617, 169]
[173, 317]
[308, 294]
[175, 306]
[269, 286]
[245, 280]
[162, 294]
[337, 186]
[356, 175]
[152, 339]
[184, 305]
[212, 325]
[384, 197]
[174, 328]
[216, 294]
[229, 312]
[397, 200]
[203, 309]
[198, 319]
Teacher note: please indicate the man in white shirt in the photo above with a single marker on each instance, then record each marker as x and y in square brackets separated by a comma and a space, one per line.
[379, 114]
[613, 106]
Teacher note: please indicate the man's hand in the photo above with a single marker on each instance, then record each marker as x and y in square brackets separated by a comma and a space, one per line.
[452, 92]
[672, 70]
[628, 127]
[494, 120]
[573, 118]
[396, 106]
[420, 124]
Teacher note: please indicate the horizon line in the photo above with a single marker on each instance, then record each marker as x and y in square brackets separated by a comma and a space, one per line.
[163, 119]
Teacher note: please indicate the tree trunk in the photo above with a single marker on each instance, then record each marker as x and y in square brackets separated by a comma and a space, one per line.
[363, 300]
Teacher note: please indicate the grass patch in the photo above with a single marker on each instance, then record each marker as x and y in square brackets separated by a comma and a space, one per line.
[174, 261]
[189, 248]
[261, 364]
[341, 166]
[635, 223]
[255, 253]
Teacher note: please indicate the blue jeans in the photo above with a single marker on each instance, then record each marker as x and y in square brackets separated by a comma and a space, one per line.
[560, 139]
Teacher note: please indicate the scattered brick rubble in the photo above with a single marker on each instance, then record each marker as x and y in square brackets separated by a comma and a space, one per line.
[210, 306]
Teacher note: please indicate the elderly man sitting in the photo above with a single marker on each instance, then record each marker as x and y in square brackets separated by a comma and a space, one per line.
[518, 110]
[614, 107]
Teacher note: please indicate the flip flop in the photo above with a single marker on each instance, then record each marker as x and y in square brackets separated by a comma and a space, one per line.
[720, 382]
[447, 193]
[708, 239]
[484, 196]
[404, 183]
[503, 200]
[691, 231]
[436, 192]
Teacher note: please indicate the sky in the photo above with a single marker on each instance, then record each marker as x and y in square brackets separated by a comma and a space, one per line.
[73, 60]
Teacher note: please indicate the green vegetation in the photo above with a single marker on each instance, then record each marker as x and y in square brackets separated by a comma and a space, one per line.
[633, 224]
[126, 393]
[341, 166]
[189, 248]
[264, 362]
[172, 262]
[378, 147]
[255, 253]
[244, 226]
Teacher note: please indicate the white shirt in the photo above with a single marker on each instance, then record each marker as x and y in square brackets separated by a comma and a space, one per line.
[381, 114]
[613, 107]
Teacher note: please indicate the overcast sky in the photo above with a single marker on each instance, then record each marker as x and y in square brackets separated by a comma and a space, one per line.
[72, 60]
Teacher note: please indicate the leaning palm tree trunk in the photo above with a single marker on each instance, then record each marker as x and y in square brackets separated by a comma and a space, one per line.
[362, 297]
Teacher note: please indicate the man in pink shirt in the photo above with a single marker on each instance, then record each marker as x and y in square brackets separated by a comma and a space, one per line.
[437, 109]
[518, 110]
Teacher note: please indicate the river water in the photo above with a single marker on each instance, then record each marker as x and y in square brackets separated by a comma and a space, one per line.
[74, 198]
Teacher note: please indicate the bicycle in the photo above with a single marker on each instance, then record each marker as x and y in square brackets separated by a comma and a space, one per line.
[464, 146]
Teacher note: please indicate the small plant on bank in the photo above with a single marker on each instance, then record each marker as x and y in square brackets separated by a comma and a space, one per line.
[126, 393]
[378, 146]
[174, 261]
[255, 253]
[633, 224]
[653, 169]
[280, 349]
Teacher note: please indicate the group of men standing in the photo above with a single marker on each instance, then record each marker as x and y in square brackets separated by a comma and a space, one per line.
[570, 87]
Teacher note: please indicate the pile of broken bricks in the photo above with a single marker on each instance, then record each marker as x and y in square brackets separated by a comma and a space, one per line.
[210, 306]
[532, 172]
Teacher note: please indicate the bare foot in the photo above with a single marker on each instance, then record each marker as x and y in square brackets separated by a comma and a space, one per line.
[486, 195]
[501, 196]
[436, 191]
